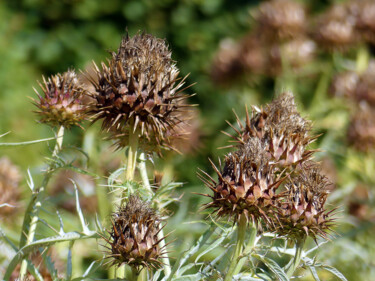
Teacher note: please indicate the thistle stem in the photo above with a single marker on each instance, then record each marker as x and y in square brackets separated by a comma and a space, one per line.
[250, 245]
[142, 276]
[362, 60]
[29, 225]
[146, 183]
[297, 257]
[241, 232]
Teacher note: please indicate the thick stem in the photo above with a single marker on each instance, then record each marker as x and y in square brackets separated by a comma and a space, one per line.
[29, 225]
[241, 232]
[142, 276]
[250, 245]
[297, 257]
[362, 60]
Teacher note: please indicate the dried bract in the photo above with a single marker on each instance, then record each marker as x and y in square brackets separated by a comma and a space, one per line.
[62, 102]
[302, 211]
[246, 185]
[134, 235]
[137, 92]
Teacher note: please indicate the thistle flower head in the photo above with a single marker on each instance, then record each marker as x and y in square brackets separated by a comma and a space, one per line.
[335, 29]
[281, 19]
[137, 92]
[134, 235]
[345, 84]
[365, 14]
[62, 101]
[246, 185]
[365, 90]
[9, 187]
[302, 209]
[282, 129]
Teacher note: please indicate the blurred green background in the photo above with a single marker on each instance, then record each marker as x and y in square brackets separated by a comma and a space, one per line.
[41, 37]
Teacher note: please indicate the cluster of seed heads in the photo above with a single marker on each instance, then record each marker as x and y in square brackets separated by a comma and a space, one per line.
[285, 35]
[270, 178]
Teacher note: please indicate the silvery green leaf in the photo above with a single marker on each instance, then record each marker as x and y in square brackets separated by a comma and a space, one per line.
[313, 272]
[273, 266]
[335, 272]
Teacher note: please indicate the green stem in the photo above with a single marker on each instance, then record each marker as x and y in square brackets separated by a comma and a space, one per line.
[30, 222]
[241, 232]
[142, 276]
[250, 245]
[143, 171]
[297, 257]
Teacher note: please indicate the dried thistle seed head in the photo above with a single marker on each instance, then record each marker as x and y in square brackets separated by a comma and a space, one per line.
[9, 187]
[246, 185]
[345, 84]
[365, 14]
[301, 209]
[137, 91]
[226, 65]
[62, 100]
[281, 19]
[253, 55]
[365, 90]
[361, 130]
[134, 235]
[296, 53]
[335, 29]
[280, 126]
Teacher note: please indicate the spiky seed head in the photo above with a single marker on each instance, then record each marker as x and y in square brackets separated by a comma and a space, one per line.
[9, 187]
[296, 53]
[301, 209]
[281, 19]
[137, 92]
[62, 101]
[365, 14]
[365, 90]
[281, 128]
[361, 130]
[335, 29]
[246, 185]
[345, 84]
[134, 235]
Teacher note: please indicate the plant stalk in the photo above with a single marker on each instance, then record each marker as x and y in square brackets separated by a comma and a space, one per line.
[35, 204]
[297, 257]
[250, 245]
[362, 60]
[241, 232]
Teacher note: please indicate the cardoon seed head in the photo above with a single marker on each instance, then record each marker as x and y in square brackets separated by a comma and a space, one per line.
[134, 235]
[62, 101]
[365, 14]
[137, 92]
[365, 90]
[361, 130]
[281, 128]
[301, 209]
[281, 19]
[246, 185]
[9, 187]
[345, 84]
[335, 29]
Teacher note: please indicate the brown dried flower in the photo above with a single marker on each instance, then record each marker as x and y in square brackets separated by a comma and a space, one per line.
[361, 131]
[335, 29]
[246, 185]
[365, 14]
[62, 103]
[281, 19]
[134, 235]
[137, 92]
[345, 84]
[281, 128]
[302, 211]
[9, 187]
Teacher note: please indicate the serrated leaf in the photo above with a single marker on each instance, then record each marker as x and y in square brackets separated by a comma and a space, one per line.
[211, 247]
[273, 266]
[243, 277]
[69, 266]
[191, 277]
[25, 142]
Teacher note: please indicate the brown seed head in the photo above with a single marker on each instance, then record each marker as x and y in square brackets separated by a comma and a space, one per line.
[9, 187]
[335, 29]
[302, 211]
[281, 128]
[246, 185]
[281, 19]
[365, 14]
[345, 84]
[361, 130]
[62, 102]
[365, 90]
[134, 235]
[137, 92]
